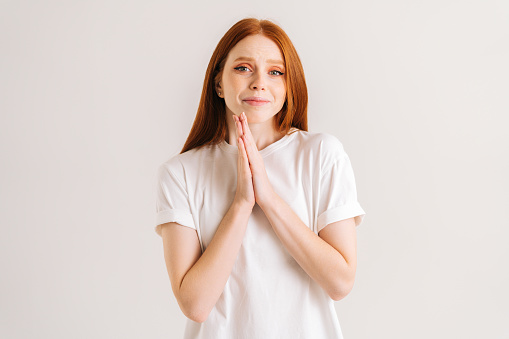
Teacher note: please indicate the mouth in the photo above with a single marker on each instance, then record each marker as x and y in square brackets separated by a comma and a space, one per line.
[256, 101]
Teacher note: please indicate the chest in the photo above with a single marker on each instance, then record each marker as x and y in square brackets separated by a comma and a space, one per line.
[215, 184]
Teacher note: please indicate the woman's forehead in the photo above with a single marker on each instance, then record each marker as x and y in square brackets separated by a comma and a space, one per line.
[256, 48]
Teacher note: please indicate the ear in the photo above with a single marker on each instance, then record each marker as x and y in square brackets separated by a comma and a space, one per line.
[219, 90]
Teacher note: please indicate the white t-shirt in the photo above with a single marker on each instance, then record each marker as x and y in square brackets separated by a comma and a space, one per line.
[268, 295]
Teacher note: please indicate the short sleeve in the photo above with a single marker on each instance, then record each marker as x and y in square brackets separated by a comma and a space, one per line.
[338, 193]
[172, 201]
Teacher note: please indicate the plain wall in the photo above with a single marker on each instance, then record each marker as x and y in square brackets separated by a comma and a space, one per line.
[95, 95]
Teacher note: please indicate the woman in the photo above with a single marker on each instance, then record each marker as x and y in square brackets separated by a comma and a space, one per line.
[258, 216]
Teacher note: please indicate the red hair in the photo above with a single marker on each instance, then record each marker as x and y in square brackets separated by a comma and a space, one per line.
[210, 125]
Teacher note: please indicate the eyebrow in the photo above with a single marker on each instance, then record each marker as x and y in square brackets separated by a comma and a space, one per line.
[270, 61]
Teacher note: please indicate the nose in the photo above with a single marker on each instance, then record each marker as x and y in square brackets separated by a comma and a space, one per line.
[257, 82]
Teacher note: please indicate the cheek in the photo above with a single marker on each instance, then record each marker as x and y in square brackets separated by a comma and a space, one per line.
[281, 98]
[231, 84]
[282, 93]
[231, 91]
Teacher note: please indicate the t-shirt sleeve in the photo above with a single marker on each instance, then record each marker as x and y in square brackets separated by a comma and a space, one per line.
[338, 193]
[172, 201]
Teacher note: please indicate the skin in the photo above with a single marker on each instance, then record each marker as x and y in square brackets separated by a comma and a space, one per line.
[254, 67]
[329, 258]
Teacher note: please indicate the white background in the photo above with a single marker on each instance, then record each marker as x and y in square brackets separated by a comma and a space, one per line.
[95, 95]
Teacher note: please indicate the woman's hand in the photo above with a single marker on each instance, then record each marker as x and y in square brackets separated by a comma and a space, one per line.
[263, 191]
[245, 191]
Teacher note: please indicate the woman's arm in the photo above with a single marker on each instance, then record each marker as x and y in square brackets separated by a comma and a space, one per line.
[329, 258]
[197, 279]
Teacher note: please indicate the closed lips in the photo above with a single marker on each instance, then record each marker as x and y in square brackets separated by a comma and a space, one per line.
[256, 99]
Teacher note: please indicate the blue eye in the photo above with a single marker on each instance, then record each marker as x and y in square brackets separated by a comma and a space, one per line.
[278, 73]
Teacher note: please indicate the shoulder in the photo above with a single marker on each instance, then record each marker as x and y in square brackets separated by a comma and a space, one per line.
[319, 139]
[326, 146]
[178, 164]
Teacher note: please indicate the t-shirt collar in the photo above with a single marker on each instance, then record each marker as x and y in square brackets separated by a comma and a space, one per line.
[267, 150]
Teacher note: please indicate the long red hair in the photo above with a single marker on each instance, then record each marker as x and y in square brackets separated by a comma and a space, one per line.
[210, 125]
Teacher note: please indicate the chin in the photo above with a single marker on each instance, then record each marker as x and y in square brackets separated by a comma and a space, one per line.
[258, 115]
[256, 118]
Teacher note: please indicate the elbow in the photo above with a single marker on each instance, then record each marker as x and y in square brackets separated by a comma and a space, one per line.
[198, 317]
[194, 311]
[192, 304]
[340, 288]
[337, 294]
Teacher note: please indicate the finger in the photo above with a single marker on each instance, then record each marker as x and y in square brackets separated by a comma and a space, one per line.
[243, 156]
[247, 131]
[239, 161]
[253, 155]
[247, 148]
[251, 148]
[238, 126]
[241, 164]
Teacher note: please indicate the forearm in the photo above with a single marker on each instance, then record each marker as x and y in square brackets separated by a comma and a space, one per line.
[322, 262]
[203, 284]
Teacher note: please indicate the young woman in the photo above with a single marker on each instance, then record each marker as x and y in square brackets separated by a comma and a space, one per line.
[258, 216]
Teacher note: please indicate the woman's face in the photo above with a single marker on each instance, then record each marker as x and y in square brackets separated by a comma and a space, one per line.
[253, 79]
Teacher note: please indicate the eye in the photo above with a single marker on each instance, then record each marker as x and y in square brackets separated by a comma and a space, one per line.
[276, 73]
[242, 68]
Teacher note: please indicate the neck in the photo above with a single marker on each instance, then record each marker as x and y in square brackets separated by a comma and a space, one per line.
[263, 133]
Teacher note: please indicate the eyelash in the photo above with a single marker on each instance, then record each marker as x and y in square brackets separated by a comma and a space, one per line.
[280, 73]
